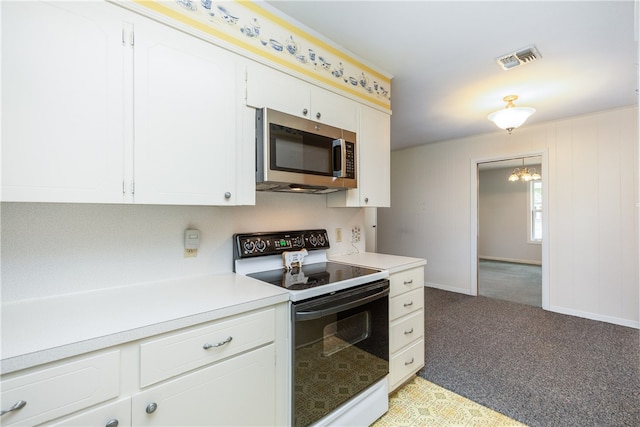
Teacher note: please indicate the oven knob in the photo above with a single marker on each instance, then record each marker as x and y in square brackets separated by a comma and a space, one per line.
[313, 240]
[261, 245]
[321, 240]
[249, 246]
[298, 242]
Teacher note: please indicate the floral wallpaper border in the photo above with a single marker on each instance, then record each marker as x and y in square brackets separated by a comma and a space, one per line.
[249, 26]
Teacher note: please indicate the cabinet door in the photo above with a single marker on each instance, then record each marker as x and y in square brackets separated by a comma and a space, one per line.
[279, 91]
[237, 392]
[375, 157]
[273, 89]
[186, 101]
[333, 109]
[62, 102]
[374, 164]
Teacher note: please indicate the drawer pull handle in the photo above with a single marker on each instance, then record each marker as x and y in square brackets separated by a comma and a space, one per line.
[207, 346]
[408, 332]
[18, 405]
[408, 282]
[409, 362]
[151, 408]
[408, 304]
[112, 423]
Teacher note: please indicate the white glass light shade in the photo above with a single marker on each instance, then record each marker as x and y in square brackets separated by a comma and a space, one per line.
[535, 175]
[514, 176]
[511, 118]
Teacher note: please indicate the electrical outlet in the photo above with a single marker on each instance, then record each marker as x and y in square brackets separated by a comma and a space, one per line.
[190, 253]
[355, 234]
[338, 235]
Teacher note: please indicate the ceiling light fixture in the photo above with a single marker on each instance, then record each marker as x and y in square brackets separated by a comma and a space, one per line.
[511, 116]
[524, 174]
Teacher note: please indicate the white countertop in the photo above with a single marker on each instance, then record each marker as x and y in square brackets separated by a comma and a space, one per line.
[48, 329]
[392, 263]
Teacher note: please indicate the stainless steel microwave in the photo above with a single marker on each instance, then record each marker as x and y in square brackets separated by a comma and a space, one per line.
[294, 154]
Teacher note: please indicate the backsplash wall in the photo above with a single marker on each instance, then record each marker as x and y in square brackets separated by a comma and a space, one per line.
[51, 249]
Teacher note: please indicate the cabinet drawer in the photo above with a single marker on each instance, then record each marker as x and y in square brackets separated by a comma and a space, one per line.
[60, 390]
[181, 352]
[406, 363]
[119, 411]
[406, 330]
[406, 303]
[405, 281]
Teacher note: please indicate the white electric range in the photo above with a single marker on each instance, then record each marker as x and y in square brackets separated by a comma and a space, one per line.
[339, 325]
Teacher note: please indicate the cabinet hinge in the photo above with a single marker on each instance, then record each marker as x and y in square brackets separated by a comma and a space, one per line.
[124, 189]
[133, 38]
[133, 187]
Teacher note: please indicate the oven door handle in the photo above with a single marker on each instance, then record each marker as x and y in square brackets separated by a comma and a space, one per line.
[316, 314]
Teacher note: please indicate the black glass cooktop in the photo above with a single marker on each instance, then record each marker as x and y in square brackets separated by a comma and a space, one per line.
[312, 275]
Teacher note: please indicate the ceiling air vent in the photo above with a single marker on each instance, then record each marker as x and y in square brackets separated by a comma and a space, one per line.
[518, 58]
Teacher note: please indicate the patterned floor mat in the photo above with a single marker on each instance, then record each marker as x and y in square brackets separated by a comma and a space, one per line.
[424, 404]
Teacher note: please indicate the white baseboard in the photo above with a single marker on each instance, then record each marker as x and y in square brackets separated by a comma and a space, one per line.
[594, 316]
[447, 288]
[556, 309]
[514, 260]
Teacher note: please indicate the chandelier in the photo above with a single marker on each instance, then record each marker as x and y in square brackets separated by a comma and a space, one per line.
[511, 116]
[524, 174]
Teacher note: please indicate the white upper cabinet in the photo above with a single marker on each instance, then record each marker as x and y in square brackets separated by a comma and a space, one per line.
[62, 102]
[374, 163]
[186, 107]
[102, 105]
[273, 89]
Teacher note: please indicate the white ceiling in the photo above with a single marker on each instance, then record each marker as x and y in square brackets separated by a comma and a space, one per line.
[442, 56]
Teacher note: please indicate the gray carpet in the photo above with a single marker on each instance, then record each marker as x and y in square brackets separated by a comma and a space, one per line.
[510, 281]
[540, 368]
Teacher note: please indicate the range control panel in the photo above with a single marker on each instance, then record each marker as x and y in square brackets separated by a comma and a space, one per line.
[274, 243]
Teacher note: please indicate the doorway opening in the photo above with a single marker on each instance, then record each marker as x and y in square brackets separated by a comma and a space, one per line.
[509, 260]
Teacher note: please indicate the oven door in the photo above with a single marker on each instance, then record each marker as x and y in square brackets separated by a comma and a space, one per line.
[340, 348]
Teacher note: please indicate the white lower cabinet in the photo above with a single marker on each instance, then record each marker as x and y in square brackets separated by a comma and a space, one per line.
[236, 392]
[232, 371]
[116, 414]
[406, 325]
[54, 391]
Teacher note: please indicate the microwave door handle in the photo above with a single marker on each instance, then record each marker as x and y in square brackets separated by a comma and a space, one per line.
[339, 158]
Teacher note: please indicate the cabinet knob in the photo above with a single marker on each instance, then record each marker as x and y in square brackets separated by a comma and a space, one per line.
[112, 423]
[408, 282]
[409, 362]
[408, 304]
[151, 408]
[305, 112]
[16, 406]
[408, 332]
[318, 115]
[227, 195]
[366, 200]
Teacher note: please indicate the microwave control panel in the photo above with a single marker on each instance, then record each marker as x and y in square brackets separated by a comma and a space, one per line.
[350, 166]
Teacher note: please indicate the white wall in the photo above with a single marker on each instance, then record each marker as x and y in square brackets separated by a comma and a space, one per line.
[503, 218]
[51, 249]
[592, 188]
